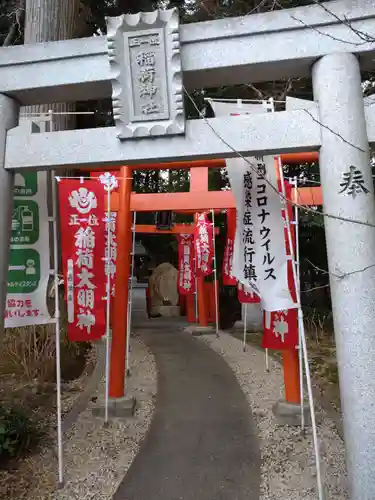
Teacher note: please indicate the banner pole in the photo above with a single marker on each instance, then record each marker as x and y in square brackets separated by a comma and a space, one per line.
[127, 337]
[130, 302]
[215, 275]
[244, 327]
[57, 334]
[267, 359]
[303, 339]
[297, 257]
[109, 183]
[196, 289]
[108, 311]
[267, 323]
[196, 279]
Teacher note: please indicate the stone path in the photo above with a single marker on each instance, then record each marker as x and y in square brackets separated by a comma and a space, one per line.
[288, 469]
[202, 443]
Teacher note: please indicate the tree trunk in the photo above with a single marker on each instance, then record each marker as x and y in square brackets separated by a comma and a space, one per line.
[46, 21]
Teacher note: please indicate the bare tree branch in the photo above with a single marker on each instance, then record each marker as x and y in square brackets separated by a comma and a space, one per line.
[15, 29]
[361, 34]
[328, 35]
[258, 92]
[333, 132]
[287, 89]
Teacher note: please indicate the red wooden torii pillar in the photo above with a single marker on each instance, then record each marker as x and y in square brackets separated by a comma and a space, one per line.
[198, 199]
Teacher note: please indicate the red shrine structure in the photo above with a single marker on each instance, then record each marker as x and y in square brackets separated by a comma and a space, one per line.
[198, 199]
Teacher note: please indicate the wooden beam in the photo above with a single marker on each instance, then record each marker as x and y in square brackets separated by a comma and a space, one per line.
[311, 196]
[199, 179]
[289, 159]
[176, 229]
[192, 201]
[299, 158]
[199, 201]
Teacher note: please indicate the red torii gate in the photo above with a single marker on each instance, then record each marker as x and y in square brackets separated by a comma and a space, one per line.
[199, 198]
[205, 292]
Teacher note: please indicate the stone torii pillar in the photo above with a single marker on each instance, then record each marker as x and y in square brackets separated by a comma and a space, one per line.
[348, 192]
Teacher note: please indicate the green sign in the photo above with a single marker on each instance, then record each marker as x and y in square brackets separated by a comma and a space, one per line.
[24, 271]
[25, 222]
[26, 184]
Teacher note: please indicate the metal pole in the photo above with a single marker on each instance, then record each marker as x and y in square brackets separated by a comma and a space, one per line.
[196, 280]
[244, 308]
[304, 347]
[215, 274]
[196, 290]
[266, 356]
[130, 296]
[298, 288]
[57, 335]
[269, 106]
[108, 309]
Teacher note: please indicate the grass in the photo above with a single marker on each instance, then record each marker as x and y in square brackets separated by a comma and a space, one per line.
[19, 433]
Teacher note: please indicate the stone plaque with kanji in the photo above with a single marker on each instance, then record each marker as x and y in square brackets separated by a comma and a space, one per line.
[146, 75]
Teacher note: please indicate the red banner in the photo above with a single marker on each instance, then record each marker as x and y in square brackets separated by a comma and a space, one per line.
[186, 280]
[247, 296]
[280, 329]
[203, 244]
[228, 278]
[111, 258]
[83, 250]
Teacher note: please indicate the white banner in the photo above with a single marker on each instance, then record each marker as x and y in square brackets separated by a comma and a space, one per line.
[236, 108]
[29, 260]
[259, 258]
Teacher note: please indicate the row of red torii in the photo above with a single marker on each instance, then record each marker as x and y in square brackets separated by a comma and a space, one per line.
[198, 199]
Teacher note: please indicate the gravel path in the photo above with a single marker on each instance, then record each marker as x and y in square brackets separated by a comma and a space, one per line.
[97, 458]
[288, 465]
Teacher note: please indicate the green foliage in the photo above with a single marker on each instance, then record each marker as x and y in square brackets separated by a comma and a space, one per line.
[18, 433]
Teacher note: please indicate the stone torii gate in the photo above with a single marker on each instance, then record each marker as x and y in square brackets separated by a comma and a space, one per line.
[332, 43]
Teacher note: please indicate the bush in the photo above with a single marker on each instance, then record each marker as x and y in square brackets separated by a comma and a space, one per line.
[18, 433]
[30, 353]
[319, 323]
